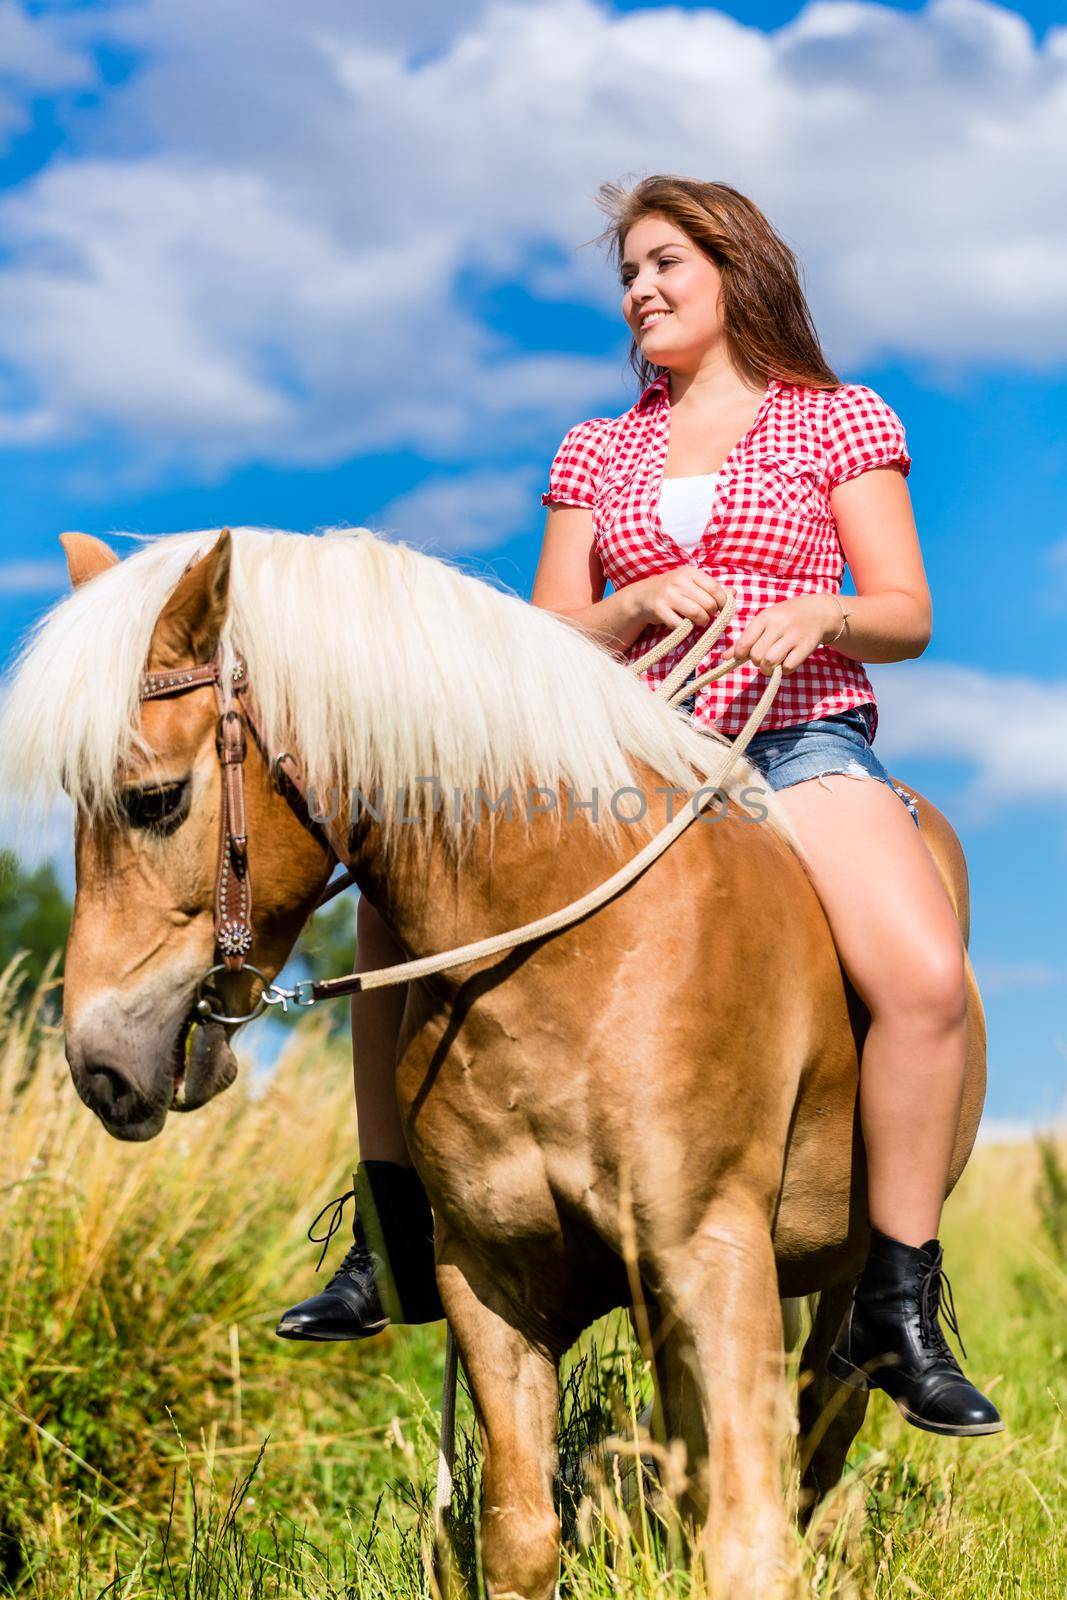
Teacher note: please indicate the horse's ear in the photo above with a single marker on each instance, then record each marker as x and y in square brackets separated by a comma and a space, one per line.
[86, 557]
[187, 629]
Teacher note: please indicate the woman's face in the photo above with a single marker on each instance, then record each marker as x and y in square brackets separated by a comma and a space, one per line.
[671, 294]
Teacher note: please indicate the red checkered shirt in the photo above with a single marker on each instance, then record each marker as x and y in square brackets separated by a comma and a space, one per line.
[771, 533]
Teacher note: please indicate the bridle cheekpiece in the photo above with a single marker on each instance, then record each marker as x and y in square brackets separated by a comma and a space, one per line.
[233, 878]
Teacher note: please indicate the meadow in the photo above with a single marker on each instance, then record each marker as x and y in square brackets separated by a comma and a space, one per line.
[156, 1439]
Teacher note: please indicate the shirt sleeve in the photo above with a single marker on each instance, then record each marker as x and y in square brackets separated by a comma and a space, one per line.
[576, 467]
[863, 432]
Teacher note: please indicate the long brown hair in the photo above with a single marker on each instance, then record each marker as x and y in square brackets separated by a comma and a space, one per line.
[767, 324]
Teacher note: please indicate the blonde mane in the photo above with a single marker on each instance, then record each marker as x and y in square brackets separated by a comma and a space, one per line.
[378, 665]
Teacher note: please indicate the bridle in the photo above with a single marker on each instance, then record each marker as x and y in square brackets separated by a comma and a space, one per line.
[233, 877]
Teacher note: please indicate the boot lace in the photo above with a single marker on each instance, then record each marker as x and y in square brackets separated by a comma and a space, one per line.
[356, 1255]
[932, 1281]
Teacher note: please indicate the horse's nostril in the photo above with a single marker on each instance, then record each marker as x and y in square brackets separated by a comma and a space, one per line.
[114, 1096]
[110, 1093]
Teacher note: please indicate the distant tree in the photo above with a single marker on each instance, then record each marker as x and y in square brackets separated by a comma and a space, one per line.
[34, 918]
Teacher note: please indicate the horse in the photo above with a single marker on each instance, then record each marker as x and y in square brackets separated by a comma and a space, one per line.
[656, 1104]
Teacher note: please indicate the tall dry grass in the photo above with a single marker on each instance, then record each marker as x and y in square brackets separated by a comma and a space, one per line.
[157, 1440]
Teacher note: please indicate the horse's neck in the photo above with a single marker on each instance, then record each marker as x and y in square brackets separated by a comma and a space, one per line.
[433, 903]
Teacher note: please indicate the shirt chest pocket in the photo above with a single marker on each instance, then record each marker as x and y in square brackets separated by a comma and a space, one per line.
[616, 486]
[620, 523]
[774, 512]
[789, 483]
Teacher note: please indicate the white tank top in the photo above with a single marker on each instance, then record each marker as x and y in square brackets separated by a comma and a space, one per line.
[685, 506]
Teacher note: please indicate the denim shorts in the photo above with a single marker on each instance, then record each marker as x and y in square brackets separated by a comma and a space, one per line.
[838, 743]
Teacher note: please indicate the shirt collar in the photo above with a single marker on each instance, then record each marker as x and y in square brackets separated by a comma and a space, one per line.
[658, 392]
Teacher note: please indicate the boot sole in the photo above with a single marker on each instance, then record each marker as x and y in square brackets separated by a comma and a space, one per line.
[305, 1336]
[856, 1378]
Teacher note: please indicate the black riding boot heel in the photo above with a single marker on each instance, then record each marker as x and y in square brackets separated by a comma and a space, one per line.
[891, 1339]
[388, 1273]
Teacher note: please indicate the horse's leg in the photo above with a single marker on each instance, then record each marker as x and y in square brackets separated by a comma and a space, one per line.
[679, 1416]
[831, 1414]
[515, 1388]
[722, 1289]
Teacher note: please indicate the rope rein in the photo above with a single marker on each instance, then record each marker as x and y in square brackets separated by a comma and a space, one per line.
[673, 689]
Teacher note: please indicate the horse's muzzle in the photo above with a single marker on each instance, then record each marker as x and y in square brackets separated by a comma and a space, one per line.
[108, 1092]
[131, 1082]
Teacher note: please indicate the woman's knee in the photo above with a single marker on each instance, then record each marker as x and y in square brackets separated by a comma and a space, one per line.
[930, 985]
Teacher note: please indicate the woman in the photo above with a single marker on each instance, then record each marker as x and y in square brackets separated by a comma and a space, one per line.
[746, 463]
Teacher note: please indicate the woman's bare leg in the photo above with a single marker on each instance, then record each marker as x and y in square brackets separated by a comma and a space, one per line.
[376, 1018]
[901, 945]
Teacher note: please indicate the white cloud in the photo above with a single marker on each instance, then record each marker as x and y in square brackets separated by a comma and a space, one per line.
[475, 511]
[263, 259]
[32, 577]
[34, 59]
[1017, 1130]
[1009, 975]
[1009, 730]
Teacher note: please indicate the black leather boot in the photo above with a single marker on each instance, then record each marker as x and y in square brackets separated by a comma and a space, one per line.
[388, 1273]
[891, 1339]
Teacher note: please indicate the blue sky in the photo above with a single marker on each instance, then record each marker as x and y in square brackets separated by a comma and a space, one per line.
[328, 269]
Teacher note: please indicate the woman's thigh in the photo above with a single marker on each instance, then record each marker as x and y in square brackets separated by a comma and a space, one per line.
[891, 917]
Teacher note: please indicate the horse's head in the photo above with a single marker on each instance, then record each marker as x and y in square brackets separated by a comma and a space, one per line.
[143, 933]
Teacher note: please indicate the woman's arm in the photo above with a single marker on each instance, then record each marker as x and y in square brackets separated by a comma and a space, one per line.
[570, 581]
[891, 613]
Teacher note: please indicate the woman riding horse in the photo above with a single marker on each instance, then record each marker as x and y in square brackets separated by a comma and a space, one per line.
[745, 462]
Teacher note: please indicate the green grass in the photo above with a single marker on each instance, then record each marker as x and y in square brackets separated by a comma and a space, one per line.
[156, 1439]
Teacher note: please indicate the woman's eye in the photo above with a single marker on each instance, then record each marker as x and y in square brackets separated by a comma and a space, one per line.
[664, 261]
[157, 809]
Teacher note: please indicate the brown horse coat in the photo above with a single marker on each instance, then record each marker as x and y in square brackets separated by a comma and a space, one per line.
[658, 1102]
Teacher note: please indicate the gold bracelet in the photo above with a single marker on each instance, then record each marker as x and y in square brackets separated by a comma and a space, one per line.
[844, 621]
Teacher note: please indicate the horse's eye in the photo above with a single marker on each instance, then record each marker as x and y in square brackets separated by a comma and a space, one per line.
[159, 808]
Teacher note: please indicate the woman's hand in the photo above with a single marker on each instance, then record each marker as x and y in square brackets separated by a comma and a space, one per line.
[786, 634]
[671, 597]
